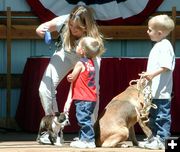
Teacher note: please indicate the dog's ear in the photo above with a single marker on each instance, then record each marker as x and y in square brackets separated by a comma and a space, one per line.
[57, 114]
[62, 116]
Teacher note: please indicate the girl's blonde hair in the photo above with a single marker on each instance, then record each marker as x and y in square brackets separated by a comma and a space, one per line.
[90, 46]
[83, 16]
[163, 22]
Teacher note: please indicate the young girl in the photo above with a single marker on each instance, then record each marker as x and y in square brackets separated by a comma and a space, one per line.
[84, 90]
[77, 24]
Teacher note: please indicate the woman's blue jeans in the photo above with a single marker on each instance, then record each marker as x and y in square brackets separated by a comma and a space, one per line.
[160, 118]
[84, 110]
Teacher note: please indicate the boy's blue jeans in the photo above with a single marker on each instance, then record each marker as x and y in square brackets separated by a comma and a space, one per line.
[84, 110]
[160, 118]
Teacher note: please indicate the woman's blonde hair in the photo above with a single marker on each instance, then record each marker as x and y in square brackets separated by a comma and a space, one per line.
[90, 46]
[163, 22]
[83, 16]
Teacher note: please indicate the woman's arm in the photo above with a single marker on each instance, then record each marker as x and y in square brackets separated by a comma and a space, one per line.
[50, 26]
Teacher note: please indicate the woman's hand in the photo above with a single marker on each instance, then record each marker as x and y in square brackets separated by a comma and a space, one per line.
[41, 30]
[50, 26]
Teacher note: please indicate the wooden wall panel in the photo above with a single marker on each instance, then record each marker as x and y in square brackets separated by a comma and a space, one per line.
[22, 25]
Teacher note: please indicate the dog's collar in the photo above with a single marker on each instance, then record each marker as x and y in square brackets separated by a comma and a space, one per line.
[55, 121]
[58, 124]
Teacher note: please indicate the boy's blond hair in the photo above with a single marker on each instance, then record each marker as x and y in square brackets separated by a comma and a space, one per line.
[163, 22]
[90, 46]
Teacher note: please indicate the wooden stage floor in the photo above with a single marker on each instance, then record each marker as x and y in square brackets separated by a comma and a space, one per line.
[25, 142]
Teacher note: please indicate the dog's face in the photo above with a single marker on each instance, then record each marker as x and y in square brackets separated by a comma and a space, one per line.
[62, 118]
[54, 122]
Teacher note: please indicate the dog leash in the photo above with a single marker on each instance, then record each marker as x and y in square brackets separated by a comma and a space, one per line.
[144, 87]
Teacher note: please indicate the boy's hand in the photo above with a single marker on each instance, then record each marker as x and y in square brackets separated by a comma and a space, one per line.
[146, 75]
[67, 106]
[69, 78]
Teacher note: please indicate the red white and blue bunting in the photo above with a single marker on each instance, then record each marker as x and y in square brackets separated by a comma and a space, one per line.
[108, 12]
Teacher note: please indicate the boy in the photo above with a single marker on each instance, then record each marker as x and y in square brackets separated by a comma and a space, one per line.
[84, 91]
[161, 63]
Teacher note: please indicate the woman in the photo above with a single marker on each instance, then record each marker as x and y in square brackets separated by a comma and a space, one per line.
[77, 24]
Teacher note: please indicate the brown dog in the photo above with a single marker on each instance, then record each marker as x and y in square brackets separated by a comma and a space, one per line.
[116, 122]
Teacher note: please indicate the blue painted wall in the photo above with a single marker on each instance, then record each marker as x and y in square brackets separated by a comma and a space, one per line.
[22, 49]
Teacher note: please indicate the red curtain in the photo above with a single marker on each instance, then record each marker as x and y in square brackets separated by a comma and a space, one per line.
[115, 75]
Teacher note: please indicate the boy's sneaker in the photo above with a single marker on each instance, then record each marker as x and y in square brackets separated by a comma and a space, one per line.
[156, 144]
[44, 139]
[78, 144]
[76, 138]
[142, 143]
[146, 141]
[90, 144]
[82, 144]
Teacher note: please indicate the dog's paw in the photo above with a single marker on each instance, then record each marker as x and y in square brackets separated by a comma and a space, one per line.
[59, 141]
[57, 144]
[124, 145]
